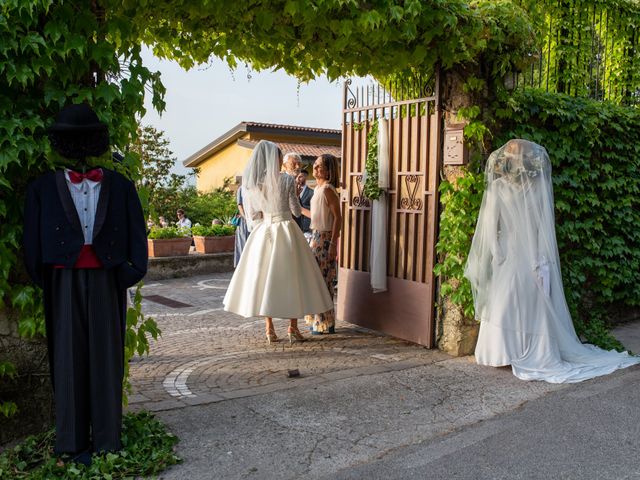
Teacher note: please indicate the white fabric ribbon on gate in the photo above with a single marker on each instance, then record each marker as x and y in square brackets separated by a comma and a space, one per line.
[379, 214]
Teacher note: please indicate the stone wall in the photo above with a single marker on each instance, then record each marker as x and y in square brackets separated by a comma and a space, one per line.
[188, 265]
[31, 390]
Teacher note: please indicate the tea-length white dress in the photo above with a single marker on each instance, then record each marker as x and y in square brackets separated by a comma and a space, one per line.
[514, 270]
[277, 275]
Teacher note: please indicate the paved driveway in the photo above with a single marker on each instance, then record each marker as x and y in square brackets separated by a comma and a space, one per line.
[208, 355]
[365, 405]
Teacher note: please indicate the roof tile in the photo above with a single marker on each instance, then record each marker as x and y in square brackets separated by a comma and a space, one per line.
[302, 149]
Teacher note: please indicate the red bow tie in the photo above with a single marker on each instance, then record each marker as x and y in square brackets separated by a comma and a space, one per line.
[95, 175]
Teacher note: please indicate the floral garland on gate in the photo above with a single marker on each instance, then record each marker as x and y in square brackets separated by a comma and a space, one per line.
[371, 189]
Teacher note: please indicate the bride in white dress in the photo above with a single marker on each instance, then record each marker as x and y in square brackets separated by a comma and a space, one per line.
[514, 270]
[277, 275]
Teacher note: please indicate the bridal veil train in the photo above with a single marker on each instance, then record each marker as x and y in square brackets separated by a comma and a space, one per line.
[514, 270]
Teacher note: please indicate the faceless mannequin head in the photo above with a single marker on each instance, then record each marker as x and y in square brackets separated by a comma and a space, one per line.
[77, 133]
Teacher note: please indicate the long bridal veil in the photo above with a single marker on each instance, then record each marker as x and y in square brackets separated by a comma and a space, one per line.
[260, 182]
[514, 270]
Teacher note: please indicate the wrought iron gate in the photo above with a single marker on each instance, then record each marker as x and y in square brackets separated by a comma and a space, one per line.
[406, 309]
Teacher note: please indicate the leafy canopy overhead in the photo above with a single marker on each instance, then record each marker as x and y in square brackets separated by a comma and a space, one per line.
[307, 38]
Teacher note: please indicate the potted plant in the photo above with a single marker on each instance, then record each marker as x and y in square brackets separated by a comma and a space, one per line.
[168, 241]
[214, 239]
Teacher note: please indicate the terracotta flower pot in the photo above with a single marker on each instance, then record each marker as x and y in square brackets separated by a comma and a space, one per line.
[214, 244]
[169, 247]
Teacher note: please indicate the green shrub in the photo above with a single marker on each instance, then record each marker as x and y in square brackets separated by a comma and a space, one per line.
[147, 449]
[213, 231]
[157, 233]
[202, 208]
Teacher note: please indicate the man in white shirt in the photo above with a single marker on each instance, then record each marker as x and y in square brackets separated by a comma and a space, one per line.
[183, 221]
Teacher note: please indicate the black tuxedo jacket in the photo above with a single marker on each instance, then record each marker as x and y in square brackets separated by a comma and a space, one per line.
[53, 234]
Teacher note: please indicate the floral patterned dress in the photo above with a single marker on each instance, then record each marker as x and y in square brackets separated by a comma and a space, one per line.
[321, 223]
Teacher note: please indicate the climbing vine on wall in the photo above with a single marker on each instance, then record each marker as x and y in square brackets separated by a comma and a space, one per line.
[461, 201]
[307, 38]
[371, 189]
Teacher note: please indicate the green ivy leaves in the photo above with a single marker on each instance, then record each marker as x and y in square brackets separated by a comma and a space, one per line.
[461, 202]
[7, 370]
[307, 38]
[371, 189]
[139, 329]
[147, 450]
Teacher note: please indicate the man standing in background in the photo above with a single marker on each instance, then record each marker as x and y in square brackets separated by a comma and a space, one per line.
[183, 221]
[305, 194]
[291, 164]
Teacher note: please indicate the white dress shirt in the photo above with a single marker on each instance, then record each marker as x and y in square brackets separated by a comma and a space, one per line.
[85, 197]
[184, 222]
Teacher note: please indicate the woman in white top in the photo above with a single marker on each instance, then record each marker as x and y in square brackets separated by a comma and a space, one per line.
[277, 275]
[326, 222]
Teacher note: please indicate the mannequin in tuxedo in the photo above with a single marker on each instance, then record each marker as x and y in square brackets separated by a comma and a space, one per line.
[84, 244]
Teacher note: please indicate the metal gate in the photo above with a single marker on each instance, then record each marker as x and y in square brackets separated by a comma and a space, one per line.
[406, 309]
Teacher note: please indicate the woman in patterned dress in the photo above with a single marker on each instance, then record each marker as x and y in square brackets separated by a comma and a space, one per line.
[326, 222]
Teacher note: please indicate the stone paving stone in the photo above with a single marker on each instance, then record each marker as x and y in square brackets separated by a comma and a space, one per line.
[163, 405]
[207, 355]
[203, 399]
[137, 398]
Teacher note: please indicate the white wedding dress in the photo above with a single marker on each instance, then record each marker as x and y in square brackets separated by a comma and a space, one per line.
[514, 270]
[277, 275]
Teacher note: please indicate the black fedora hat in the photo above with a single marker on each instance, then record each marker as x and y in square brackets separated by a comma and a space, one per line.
[77, 118]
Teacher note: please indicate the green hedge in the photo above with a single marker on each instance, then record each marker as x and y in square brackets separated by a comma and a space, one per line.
[147, 450]
[213, 230]
[202, 207]
[160, 233]
[595, 152]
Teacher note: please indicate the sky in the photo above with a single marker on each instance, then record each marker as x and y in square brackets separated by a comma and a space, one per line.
[205, 102]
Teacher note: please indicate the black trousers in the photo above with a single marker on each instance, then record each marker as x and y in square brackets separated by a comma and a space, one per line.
[86, 324]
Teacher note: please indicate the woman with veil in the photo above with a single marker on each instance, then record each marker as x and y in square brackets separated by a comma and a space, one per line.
[514, 270]
[277, 275]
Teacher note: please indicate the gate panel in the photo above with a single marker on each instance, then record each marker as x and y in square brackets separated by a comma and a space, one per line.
[406, 309]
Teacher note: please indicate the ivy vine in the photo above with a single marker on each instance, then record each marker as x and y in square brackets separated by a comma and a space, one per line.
[371, 189]
[147, 450]
[461, 200]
